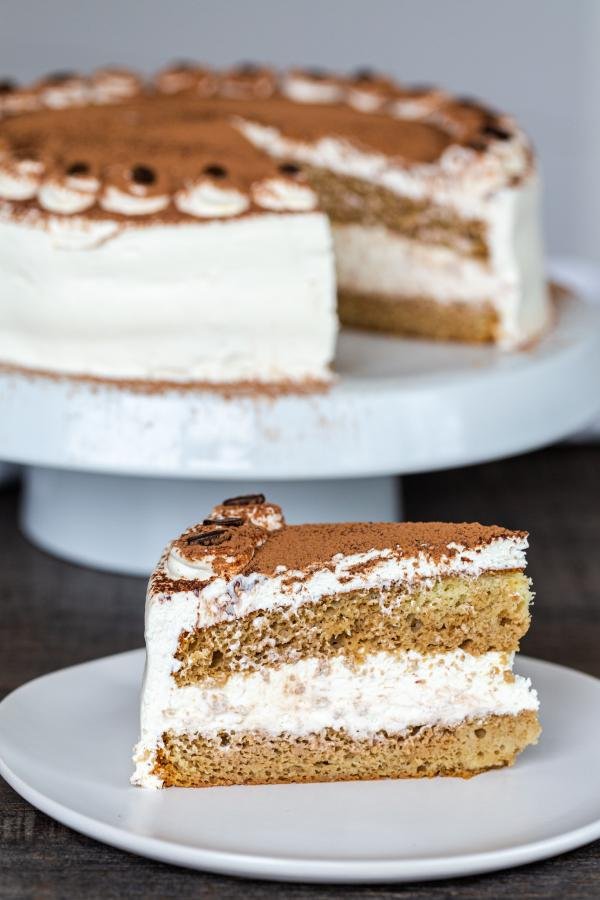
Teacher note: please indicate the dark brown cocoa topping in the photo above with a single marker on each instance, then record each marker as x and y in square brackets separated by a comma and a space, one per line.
[209, 538]
[25, 151]
[290, 169]
[182, 65]
[247, 68]
[78, 168]
[232, 522]
[179, 132]
[478, 146]
[245, 500]
[307, 547]
[420, 90]
[59, 77]
[364, 74]
[408, 140]
[468, 101]
[7, 86]
[143, 175]
[494, 131]
[316, 73]
[213, 170]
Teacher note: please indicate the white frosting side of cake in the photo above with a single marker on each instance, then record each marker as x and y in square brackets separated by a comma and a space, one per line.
[390, 692]
[517, 261]
[251, 299]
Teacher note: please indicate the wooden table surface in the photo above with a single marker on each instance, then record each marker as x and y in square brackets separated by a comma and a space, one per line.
[54, 615]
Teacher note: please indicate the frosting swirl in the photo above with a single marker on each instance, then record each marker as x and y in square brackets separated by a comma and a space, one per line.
[205, 200]
[282, 194]
[210, 551]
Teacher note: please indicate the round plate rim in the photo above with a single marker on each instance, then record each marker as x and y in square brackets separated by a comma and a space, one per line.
[307, 870]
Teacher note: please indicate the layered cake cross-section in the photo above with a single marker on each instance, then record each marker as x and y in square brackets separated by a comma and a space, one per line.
[193, 229]
[298, 653]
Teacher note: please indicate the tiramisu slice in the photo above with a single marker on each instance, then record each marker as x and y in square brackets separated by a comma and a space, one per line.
[331, 652]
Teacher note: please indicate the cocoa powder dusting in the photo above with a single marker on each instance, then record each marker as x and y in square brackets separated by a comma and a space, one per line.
[301, 547]
[180, 137]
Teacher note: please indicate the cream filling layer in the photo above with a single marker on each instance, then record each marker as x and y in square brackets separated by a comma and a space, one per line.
[375, 260]
[391, 692]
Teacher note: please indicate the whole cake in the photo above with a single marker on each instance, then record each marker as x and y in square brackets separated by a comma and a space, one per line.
[193, 229]
[331, 652]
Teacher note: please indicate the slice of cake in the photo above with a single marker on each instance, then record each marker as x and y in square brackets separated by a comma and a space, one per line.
[189, 230]
[330, 652]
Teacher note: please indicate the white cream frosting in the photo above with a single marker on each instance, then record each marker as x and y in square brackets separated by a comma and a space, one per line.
[73, 195]
[202, 568]
[364, 100]
[113, 86]
[375, 260]
[75, 92]
[303, 89]
[417, 106]
[20, 180]
[282, 195]
[205, 301]
[386, 692]
[132, 203]
[272, 521]
[20, 101]
[264, 515]
[208, 200]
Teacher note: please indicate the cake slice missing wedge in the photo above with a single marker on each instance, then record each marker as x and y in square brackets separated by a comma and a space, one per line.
[333, 652]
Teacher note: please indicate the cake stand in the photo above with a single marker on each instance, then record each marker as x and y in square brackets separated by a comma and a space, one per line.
[112, 474]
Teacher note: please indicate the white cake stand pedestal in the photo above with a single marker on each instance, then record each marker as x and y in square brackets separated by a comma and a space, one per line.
[112, 474]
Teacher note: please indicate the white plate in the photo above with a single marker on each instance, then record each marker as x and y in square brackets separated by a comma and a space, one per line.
[65, 743]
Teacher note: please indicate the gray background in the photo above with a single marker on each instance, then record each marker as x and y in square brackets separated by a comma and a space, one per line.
[537, 58]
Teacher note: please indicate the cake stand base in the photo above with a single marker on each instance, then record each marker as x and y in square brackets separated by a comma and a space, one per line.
[122, 524]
